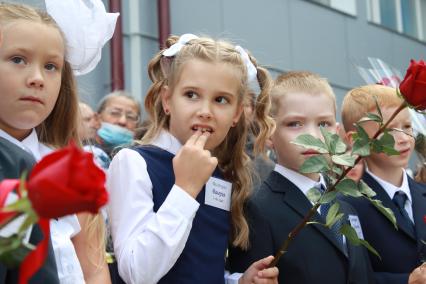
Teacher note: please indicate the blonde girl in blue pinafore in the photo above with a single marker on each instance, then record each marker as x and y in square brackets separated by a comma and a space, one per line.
[177, 199]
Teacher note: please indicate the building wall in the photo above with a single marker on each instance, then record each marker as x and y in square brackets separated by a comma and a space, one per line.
[282, 34]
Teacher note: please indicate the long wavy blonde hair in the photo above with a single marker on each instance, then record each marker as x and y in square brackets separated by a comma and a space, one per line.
[233, 161]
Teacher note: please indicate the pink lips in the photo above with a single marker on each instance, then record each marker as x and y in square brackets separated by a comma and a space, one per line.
[32, 99]
[310, 152]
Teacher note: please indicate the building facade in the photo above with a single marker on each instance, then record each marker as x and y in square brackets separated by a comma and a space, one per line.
[329, 37]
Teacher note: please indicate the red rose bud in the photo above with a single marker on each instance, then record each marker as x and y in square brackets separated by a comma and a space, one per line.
[424, 219]
[65, 182]
[413, 87]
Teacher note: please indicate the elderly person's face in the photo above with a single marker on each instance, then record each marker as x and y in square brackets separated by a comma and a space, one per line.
[121, 111]
[89, 123]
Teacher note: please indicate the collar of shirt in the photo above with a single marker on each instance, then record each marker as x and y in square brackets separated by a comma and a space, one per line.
[302, 182]
[30, 144]
[168, 142]
[391, 189]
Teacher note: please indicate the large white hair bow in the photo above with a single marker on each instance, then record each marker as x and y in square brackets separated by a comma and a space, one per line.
[185, 38]
[87, 27]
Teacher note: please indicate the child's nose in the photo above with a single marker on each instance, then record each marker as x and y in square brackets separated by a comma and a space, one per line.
[35, 78]
[205, 111]
[401, 137]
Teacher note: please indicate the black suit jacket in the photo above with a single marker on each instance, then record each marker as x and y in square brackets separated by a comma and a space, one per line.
[314, 256]
[13, 161]
[401, 251]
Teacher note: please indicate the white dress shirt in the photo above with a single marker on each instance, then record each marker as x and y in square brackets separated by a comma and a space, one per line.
[146, 243]
[392, 189]
[61, 230]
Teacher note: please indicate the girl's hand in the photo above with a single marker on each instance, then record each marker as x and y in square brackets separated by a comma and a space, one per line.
[193, 165]
[418, 276]
[259, 273]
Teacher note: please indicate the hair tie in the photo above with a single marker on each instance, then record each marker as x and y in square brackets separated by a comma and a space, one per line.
[86, 26]
[177, 46]
[251, 69]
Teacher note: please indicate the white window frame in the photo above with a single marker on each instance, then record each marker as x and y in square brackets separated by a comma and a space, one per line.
[373, 12]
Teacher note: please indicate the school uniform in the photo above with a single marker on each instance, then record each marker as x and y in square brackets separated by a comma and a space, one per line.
[402, 249]
[13, 162]
[61, 229]
[160, 233]
[315, 255]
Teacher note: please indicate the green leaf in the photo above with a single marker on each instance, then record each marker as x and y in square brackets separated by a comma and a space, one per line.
[365, 189]
[337, 170]
[387, 139]
[350, 234]
[361, 145]
[334, 143]
[385, 211]
[361, 148]
[313, 195]
[375, 117]
[28, 222]
[314, 164]
[361, 133]
[370, 248]
[352, 237]
[20, 205]
[328, 197]
[332, 212]
[379, 111]
[310, 142]
[344, 160]
[13, 251]
[348, 187]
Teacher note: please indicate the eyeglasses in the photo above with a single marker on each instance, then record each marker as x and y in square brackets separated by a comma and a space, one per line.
[118, 113]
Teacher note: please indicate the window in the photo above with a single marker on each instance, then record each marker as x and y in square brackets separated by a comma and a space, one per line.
[345, 6]
[404, 16]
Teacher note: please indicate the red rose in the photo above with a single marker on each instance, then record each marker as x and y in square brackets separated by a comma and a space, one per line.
[413, 87]
[66, 182]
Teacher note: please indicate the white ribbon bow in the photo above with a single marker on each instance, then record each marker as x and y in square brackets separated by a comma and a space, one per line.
[86, 26]
[185, 38]
[177, 46]
[251, 70]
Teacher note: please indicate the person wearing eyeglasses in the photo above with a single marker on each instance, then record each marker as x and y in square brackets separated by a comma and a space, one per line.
[119, 114]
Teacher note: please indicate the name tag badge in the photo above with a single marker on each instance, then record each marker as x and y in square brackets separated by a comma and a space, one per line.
[218, 193]
[354, 220]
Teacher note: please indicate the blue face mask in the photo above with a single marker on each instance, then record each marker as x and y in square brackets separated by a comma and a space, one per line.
[113, 135]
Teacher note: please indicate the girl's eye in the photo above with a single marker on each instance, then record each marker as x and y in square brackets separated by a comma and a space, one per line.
[222, 100]
[294, 124]
[324, 124]
[51, 67]
[17, 60]
[191, 95]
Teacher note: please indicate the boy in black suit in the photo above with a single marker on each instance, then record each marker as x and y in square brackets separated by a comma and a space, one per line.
[401, 250]
[13, 162]
[302, 102]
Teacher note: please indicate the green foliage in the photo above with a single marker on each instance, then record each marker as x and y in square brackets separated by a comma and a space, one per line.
[331, 162]
[344, 160]
[334, 143]
[313, 195]
[333, 215]
[315, 164]
[385, 211]
[13, 251]
[310, 142]
[352, 237]
[348, 187]
[365, 189]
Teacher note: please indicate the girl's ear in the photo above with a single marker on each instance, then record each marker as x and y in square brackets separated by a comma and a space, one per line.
[165, 99]
[237, 115]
